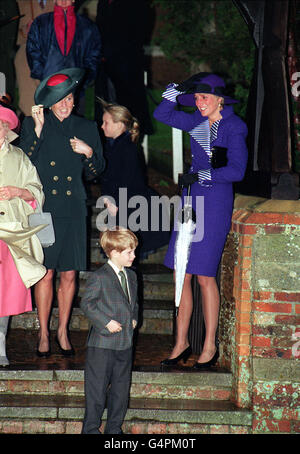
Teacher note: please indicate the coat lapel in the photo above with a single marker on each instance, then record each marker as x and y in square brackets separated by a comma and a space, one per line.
[118, 283]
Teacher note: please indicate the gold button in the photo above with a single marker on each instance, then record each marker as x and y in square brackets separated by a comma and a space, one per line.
[54, 191]
[55, 178]
[30, 153]
[34, 142]
[69, 178]
[31, 148]
[52, 163]
[68, 192]
[90, 164]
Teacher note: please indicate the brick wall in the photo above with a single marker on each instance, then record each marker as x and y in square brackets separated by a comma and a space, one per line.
[259, 317]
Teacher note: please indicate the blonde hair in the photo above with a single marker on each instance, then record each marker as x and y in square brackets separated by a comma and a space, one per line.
[117, 239]
[121, 113]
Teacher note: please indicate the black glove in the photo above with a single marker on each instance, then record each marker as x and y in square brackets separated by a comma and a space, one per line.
[189, 83]
[218, 157]
[186, 179]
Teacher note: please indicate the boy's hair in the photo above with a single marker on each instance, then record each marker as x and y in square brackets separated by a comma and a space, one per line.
[117, 239]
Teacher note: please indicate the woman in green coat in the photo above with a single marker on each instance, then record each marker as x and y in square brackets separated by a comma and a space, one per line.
[63, 147]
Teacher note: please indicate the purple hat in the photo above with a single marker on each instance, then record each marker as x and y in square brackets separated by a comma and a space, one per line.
[212, 84]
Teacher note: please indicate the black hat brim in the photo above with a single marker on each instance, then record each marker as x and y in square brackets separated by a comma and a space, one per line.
[48, 95]
[188, 99]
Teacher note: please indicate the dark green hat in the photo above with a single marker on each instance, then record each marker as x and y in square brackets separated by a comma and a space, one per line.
[58, 85]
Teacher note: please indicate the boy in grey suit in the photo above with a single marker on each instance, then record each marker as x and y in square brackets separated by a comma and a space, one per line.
[111, 306]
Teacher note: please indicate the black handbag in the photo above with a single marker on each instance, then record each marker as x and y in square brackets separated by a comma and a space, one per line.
[218, 157]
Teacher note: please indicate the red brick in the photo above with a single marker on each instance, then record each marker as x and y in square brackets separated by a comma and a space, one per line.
[279, 426]
[12, 427]
[274, 229]
[247, 241]
[157, 428]
[283, 341]
[221, 394]
[247, 229]
[284, 296]
[295, 427]
[245, 252]
[262, 296]
[271, 353]
[243, 350]
[265, 426]
[273, 307]
[291, 219]
[261, 341]
[244, 328]
[287, 319]
[219, 429]
[242, 317]
[265, 218]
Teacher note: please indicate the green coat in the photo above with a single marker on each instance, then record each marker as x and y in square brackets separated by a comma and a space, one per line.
[60, 169]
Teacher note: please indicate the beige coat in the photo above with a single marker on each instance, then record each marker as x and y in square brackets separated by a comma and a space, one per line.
[16, 169]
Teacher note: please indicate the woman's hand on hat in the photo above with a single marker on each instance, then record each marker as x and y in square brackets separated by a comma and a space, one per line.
[37, 113]
[80, 147]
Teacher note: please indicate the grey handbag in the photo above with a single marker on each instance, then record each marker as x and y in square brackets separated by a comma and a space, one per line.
[46, 235]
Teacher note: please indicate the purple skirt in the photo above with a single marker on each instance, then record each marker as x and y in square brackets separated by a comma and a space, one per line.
[213, 224]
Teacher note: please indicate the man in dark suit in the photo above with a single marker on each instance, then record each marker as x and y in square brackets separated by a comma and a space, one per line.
[110, 303]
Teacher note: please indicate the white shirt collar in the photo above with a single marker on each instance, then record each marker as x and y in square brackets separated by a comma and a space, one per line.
[115, 268]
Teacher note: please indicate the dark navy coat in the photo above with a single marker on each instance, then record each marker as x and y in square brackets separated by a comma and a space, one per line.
[124, 169]
[61, 170]
[44, 55]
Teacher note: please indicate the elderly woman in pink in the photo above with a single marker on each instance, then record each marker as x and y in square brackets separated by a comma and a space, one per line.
[21, 254]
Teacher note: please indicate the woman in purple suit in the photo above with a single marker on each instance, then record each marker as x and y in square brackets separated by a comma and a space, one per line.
[219, 158]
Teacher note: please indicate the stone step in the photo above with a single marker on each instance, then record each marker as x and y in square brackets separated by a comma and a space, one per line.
[156, 318]
[64, 414]
[156, 304]
[150, 384]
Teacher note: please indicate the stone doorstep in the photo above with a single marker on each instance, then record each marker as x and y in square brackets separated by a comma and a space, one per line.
[164, 385]
[157, 318]
[212, 379]
[159, 410]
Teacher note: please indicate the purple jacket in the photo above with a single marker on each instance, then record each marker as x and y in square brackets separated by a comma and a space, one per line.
[232, 134]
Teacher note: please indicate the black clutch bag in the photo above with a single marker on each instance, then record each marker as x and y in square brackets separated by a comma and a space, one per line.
[218, 157]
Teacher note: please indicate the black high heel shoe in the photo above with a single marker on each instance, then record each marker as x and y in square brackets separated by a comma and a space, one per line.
[183, 355]
[65, 352]
[211, 362]
[44, 354]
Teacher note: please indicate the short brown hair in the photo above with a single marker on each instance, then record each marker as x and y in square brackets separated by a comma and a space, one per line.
[117, 239]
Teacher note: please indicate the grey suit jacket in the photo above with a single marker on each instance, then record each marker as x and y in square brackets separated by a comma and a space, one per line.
[104, 300]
